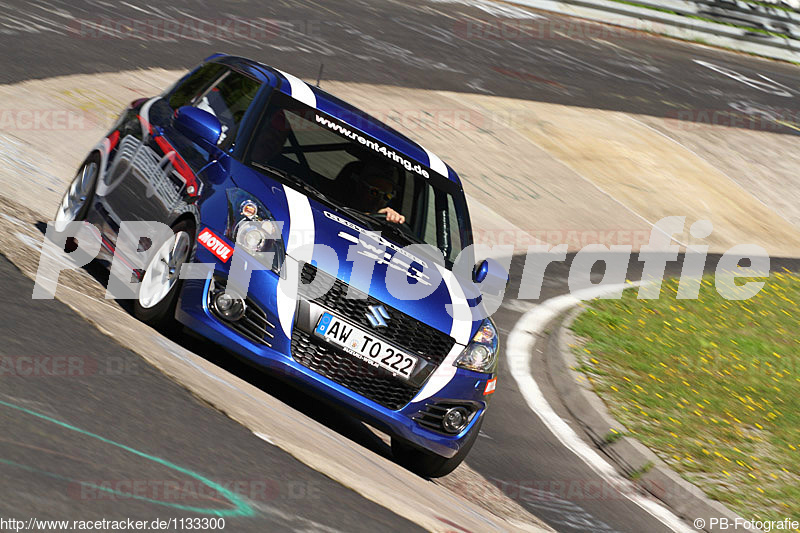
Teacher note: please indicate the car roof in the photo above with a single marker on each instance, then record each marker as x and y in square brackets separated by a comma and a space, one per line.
[341, 110]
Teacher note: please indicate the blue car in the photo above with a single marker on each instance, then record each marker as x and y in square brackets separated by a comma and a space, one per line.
[329, 208]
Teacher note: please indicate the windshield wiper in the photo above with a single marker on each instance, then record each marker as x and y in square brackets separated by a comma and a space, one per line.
[396, 230]
[375, 222]
[358, 215]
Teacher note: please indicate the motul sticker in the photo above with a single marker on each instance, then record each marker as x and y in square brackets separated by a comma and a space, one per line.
[491, 385]
[216, 245]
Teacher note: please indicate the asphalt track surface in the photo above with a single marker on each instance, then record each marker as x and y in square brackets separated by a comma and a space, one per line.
[114, 423]
[486, 47]
[415, 44]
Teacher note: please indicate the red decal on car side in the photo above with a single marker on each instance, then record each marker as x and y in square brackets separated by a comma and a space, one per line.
[491, 385]
[192, 186]
[113, 139]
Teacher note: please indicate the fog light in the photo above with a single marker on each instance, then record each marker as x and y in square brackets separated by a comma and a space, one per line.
[455, 419]
[228, 306]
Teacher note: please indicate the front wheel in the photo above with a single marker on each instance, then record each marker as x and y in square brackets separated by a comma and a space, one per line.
[430, 465]
[76, 201]
[160, 285]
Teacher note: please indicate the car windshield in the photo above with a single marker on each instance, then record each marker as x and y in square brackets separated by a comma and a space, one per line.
[349, 169]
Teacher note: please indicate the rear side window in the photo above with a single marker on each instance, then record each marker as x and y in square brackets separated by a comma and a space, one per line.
[189, 89]
[228, 100]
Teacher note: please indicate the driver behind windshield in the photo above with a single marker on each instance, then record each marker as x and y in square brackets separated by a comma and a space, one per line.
[368, 186]
[372, 186]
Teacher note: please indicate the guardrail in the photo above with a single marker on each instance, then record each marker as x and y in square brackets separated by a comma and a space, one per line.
[763, 28]
[747, 14]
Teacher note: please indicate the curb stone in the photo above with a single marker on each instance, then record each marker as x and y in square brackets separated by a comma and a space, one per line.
[630, 456]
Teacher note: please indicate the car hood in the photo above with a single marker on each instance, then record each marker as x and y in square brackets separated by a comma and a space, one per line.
[307, 221]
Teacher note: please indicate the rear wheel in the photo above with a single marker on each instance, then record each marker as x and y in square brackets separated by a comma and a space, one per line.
[430, 465]
[160, 285]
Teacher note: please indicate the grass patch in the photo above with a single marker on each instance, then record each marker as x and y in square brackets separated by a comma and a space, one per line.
[636, 475]
[612, 436]
[711, 385]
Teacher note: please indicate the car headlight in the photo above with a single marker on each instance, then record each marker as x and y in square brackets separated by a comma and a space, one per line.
[252, 227]
[481, 353]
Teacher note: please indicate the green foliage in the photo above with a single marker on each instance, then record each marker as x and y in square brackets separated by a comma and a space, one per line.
[711, 385]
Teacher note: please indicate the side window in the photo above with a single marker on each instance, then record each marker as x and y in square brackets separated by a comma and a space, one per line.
[429, 235]
[228, 100]
[190, 88]
[442, 223]
[455, 228]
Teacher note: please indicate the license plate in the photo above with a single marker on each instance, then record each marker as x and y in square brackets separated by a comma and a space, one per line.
[365, 346]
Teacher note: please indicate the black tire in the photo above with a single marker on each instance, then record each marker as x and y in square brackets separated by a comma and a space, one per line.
[92, 162]
[162, 314]
[427, 464]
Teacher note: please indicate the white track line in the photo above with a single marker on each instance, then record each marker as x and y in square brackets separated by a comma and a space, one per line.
[520, 343]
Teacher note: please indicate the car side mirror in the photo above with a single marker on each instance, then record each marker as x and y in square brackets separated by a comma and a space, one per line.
[480, 271]
[198, 125]
[483, 268]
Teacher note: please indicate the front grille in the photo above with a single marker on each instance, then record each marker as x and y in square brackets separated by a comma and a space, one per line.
[403, 331]
[371, 382]
[254, 324]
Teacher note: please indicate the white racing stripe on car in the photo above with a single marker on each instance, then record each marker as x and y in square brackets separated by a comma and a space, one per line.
[461, 312]
[301, 224]
[436, 163]
[300, 90]
[286, 296]
[459, 330]
[441, 376]
[301, 232]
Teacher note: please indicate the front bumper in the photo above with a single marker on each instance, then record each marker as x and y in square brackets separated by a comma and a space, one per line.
[466, 386]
